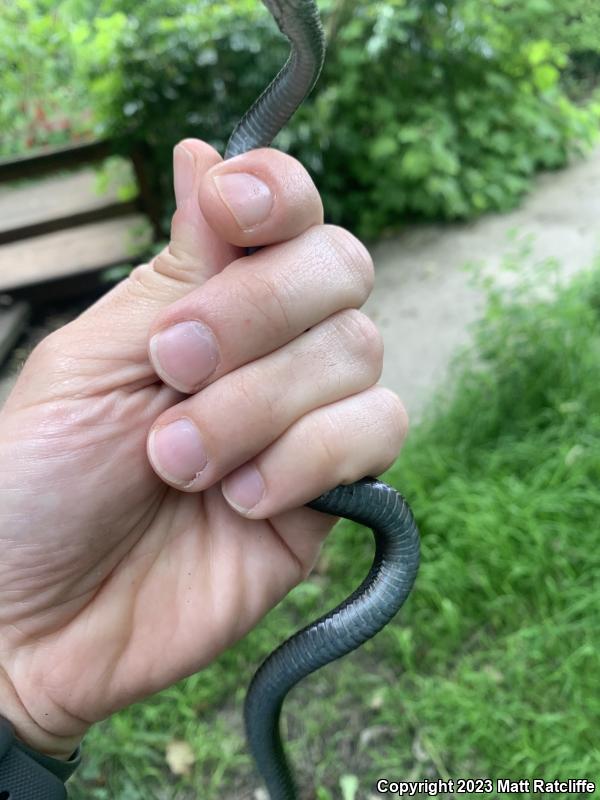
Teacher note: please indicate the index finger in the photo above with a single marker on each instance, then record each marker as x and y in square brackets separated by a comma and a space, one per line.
[258, 198]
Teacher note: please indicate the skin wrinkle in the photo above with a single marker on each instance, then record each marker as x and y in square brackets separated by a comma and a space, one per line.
[236, 593]
[209, 306]
[349, 254]
[22, 670]
[274, 295]
[138, 609]
[30, 719]
[94, 570]
[51, 599]
[212, 614]
[62, 421]
[134, 375]
[208, 566]
[256, 394]
[267, 299]
[144, 281]
[251, 386]
[116, 638]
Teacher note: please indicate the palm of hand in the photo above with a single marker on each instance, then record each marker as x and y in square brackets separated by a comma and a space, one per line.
[140, 569]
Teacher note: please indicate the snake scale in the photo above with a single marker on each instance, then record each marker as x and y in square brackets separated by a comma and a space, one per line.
[368, 501]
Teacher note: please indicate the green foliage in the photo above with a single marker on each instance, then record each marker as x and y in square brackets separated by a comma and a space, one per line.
[41, 103]
[441, 110]
[447, 110]
[491, 668]
[162, 71]
[505, 485]
[436, 110]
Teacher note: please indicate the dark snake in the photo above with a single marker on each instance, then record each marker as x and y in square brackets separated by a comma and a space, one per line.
[368, 501]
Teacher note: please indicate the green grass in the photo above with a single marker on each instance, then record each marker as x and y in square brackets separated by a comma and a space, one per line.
[492, 667]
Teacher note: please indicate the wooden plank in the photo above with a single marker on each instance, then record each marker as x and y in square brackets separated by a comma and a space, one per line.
[91, 285]
[38, 229]
[50, 160]
[13, 321]
[78, 250]
[26, 209]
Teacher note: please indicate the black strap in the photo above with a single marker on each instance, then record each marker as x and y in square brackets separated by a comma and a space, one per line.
[28, 775]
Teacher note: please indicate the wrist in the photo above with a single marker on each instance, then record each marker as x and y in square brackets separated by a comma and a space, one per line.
[26, 774]
[28, 731]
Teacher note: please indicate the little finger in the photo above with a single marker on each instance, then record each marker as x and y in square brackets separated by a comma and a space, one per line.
[335, 444]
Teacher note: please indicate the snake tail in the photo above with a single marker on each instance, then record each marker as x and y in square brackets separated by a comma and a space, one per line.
[300, 22]
[369, 501]
[365, 612]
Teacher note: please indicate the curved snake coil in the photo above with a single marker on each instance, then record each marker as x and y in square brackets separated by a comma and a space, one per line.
[368, 501]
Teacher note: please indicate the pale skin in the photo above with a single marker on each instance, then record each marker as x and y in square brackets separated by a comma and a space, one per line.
[131, 556]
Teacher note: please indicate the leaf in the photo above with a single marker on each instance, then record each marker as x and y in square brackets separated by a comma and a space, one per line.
[545, 76]
[349, 786]
[179, 757]
[416, 163]
[383, 147]
[540, 51]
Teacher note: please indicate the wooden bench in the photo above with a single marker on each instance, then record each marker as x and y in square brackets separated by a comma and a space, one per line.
[58, 234]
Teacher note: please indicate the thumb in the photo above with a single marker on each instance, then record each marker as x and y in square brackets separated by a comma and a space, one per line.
[194, 254]
[106, 347]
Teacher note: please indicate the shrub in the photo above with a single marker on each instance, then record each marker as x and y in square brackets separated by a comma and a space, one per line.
[439, 110]
[163, 71]
[40, 102]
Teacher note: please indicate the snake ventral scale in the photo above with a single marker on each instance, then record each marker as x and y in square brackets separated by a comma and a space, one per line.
[368, 501]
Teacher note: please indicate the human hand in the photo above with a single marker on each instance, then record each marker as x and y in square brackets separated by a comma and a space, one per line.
[127, 561]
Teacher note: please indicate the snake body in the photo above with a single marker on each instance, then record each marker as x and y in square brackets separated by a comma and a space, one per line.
[368, 501]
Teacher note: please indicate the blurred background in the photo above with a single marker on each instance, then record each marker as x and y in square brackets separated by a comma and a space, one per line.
[459, 140]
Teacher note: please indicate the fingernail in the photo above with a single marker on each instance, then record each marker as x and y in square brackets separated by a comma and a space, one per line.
[248, 198]
[243, 489]
[185, 354]
[177, 452]
[183, 174]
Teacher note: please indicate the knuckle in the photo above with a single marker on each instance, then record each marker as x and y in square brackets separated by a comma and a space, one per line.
[323, 436]
[244, 389]
[44, 351]
[394, 417]
[139, 281]
[253, 398]
[361, 336]
[50, 352]
[171, 262]
[355, 257]
[266, 298]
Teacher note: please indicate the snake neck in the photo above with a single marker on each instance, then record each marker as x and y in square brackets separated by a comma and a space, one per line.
[299, 21]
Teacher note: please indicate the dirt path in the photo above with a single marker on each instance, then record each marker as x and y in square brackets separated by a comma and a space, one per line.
[422, 300]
